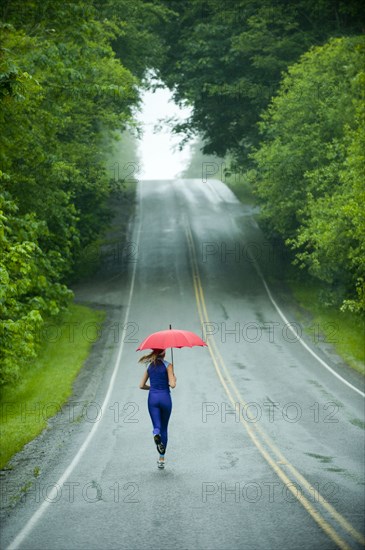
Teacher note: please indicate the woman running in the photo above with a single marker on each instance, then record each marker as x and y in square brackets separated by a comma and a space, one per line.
[162, 377]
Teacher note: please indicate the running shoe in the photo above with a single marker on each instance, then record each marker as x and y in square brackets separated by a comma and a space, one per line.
[161, 463]
[160, 446]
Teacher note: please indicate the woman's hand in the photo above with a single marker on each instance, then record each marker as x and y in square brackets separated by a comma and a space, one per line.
[143, 385]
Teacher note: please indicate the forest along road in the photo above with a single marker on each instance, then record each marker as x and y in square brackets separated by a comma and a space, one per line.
[266, 443]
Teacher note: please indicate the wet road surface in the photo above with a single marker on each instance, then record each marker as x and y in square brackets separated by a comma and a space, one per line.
[266, 445]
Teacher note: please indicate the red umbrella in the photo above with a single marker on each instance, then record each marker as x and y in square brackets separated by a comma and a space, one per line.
[172, 338]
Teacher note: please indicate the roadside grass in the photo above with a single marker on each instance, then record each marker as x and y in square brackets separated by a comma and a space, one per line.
[46, 383]
[240, 188]
[344, 330]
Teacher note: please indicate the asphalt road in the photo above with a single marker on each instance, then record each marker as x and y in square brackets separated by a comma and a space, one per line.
[266, 444]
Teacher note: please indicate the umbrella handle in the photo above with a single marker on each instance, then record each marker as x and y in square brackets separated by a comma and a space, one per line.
[172, 355]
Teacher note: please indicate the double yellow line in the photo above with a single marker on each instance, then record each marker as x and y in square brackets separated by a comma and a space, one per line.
[258, 435]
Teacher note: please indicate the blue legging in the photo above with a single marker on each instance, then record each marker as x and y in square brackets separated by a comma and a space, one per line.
[159, 407]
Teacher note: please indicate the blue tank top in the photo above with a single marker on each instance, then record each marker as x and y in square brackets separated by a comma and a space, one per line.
[159, 380]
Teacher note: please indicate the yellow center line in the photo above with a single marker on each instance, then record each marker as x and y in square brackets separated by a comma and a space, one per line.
[203, 314]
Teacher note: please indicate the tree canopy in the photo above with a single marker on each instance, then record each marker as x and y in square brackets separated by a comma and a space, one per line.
[279, 87]
[227, 58]
[65, 93]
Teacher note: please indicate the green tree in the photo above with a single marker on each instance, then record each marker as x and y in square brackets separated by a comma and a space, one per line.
[65, 96]
[310, 166]
[226, 60]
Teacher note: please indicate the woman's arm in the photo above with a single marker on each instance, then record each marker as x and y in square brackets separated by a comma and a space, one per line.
[142, 383]
[171, 375]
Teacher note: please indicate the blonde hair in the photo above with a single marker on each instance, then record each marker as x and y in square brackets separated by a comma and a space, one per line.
[152, 357]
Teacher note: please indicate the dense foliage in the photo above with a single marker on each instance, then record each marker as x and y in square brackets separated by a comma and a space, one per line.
[227, 58]
[64, 93]
[274, 85]
[311, 166]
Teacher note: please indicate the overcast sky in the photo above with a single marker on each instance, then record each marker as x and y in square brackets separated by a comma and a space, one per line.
[159, 158]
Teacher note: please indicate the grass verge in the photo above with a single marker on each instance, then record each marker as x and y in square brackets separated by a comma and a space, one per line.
[46, 383]
[240, 188]
[344, 330]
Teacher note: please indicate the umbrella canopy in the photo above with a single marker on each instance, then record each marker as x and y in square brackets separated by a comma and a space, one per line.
[172, 338]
